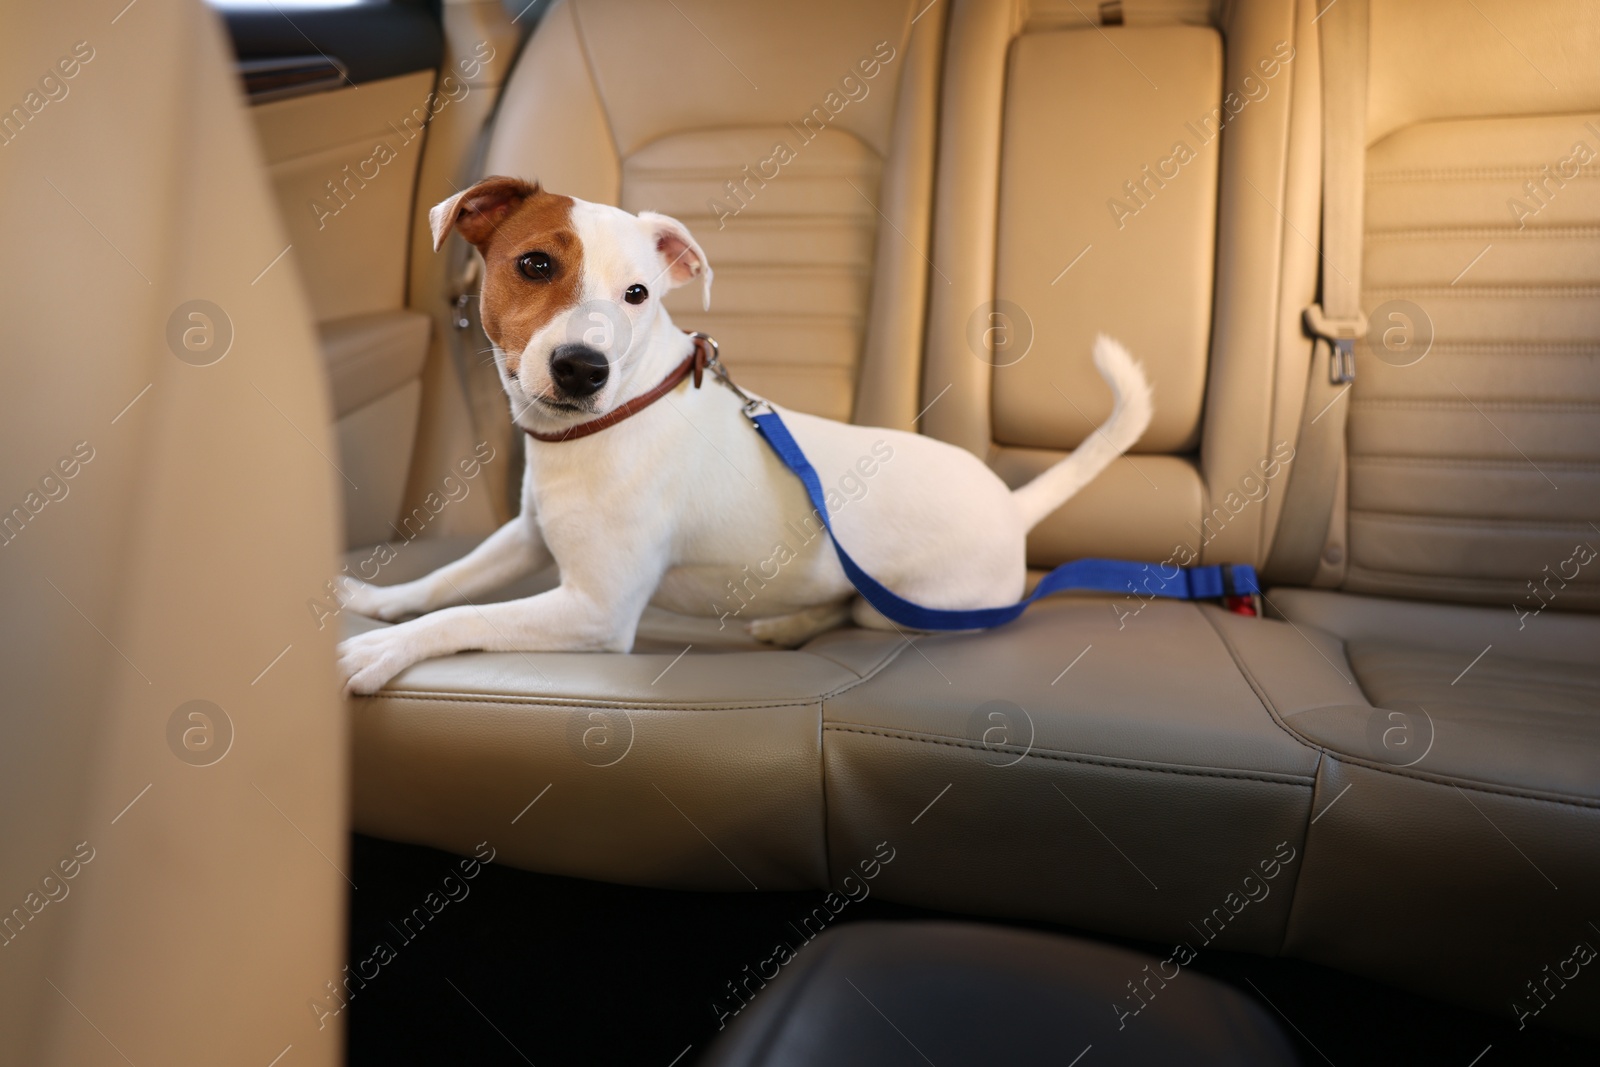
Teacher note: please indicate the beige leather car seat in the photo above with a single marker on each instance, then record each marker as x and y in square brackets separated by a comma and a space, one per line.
[170, 870]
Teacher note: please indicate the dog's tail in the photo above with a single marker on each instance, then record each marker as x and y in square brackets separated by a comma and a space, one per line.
[1130, 416]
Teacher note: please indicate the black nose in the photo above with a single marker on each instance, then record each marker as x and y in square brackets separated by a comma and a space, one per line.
[578, 370]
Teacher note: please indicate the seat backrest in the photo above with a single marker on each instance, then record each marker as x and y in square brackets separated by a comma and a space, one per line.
[795, 141]
[172, 751]
[1086, 156]
[1474, 433]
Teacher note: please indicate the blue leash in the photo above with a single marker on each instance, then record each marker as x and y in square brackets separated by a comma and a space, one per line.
[1218, 582]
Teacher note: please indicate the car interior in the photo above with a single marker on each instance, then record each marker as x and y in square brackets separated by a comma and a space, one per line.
[1355, 245]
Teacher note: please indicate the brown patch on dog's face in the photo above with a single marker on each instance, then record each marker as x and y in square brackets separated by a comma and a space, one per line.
[533, 259]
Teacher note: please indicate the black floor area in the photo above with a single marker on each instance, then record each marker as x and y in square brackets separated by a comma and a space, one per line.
[521, 968]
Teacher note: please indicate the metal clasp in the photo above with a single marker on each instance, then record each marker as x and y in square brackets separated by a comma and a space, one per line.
[464, 294]
[753, 405]
[1341, 360]
[1341, 336]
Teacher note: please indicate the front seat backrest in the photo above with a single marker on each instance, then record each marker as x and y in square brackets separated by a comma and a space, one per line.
[172, 741]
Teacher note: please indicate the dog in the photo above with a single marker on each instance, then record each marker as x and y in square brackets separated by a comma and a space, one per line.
[682, 503]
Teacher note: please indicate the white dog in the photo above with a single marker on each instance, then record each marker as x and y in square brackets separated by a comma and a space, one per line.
[681, 503]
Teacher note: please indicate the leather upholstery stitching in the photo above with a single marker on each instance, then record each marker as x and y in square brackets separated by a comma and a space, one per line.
[797, 169]
[599, 92]
[1530, 405]
[1316, 771]
[1299, 781]
[1422, 174]
[1498, 347]
[1305, 840]
[1472, 292]
[1255, 687]
[423, 695]
[1490, 788]
[1412, 519]
[872, 672]
[1498, 232]
[1376, 459]
[1409, 579]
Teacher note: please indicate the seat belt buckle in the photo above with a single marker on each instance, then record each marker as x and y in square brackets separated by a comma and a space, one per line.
[1341, 360]
[1236, 599]
[1340, 334]
[1244, 605]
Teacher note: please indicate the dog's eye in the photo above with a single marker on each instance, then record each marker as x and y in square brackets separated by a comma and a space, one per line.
[636, 294]
[536, 266]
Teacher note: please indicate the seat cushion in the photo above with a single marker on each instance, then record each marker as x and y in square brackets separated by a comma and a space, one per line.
[1476, 696]
[1114, 773]
[1537, 718]
[957, 993]
[1452, 845]
[673, 766]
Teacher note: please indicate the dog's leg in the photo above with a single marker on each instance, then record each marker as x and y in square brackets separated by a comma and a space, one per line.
[505, 555]
[790, 631]
[561, 620]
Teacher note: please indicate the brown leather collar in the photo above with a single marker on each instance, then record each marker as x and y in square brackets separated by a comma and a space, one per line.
[694, 364]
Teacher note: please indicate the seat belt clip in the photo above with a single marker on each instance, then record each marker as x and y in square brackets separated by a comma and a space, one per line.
[1340, 334]
[1244, 605]
[753, 405]
[1237, 600]
[463, 298]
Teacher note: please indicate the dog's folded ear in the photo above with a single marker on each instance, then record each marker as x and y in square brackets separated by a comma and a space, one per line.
[682, 258]
[480, 210]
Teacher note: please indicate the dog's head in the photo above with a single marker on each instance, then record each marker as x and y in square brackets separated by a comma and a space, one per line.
[571, 293]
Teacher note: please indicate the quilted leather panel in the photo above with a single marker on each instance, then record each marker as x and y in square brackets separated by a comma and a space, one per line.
[1475, 469]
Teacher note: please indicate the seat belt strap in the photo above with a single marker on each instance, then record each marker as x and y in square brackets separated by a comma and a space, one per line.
[1235, 586]
[464, 339]
[1336, 321]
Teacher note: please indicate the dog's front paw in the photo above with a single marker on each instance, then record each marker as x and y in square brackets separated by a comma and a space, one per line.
[367, 661]
[387, 602]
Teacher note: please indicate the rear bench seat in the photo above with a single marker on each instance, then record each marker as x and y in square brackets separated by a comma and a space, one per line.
[1169, 771]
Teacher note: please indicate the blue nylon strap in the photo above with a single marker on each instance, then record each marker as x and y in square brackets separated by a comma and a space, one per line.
[1143, 580]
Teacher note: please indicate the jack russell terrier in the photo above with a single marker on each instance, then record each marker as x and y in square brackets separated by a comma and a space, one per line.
[672, 503]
